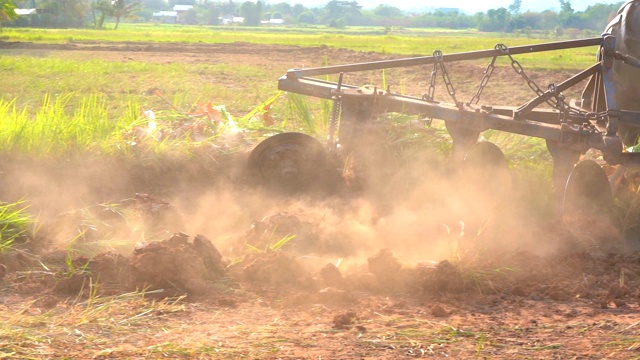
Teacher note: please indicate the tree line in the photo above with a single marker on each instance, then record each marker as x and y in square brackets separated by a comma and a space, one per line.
[336, 13]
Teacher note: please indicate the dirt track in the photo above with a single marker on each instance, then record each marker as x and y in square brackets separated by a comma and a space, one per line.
[576, 300]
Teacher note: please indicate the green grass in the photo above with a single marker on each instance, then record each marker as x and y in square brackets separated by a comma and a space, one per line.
[14, 224]
[29, 79]
[55, 130]
[405, 42]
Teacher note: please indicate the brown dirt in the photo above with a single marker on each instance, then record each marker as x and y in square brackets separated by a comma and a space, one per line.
[576, 299]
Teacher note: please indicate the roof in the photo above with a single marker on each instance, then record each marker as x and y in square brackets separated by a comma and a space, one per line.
[182, 7]
[165, 13]
[273, 22]
[25, 11]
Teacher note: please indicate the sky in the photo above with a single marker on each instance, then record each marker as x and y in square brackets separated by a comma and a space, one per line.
[468, 6]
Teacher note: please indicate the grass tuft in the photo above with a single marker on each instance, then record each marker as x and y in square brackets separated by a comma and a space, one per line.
[15, 223]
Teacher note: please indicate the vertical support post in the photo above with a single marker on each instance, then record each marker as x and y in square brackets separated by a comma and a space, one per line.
[463, 139]
[356, 111]
[564, 160]
[608, 53]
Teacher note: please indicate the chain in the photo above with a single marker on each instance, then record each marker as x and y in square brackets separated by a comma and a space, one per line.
[445, 76]
[519, 70]
[485, 80]
[429, 96]
[559, 103]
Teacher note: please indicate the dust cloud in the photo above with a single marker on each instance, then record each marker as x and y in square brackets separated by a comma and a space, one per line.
[416, 203]
[423, 211]
[400, 218]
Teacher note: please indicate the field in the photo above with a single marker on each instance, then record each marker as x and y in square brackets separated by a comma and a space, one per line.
[132, 230]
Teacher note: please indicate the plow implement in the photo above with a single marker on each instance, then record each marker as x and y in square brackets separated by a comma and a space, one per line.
[570, 128]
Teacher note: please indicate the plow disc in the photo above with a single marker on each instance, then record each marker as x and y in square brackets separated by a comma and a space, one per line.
[288, 162]
[587, 192]
[486, 169]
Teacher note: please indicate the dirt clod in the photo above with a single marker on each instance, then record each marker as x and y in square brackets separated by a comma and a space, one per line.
[209, 254]
[438, 311]
[331, 276]
[276, 269]
[73, 285]
[109, 268]
[386, 268]
[443, 278]
[332, 296]
[265, 233]
[158, 214]
[47, 302]
[345, 320]
[176, 265]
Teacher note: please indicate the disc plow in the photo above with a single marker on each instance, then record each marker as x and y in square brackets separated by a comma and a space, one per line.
[596, 120]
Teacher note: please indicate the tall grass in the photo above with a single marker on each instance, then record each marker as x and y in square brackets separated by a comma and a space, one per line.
[71, 124]
[57, 129]
[14, 224]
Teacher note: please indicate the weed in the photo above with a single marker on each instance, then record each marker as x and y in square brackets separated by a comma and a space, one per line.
[271, 245]
[544, 347]
[480, 343]
[14, 224]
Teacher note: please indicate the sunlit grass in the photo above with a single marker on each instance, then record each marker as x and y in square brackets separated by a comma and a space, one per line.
[27, 79]
[14, 224]
[406, 42]
[56, 130]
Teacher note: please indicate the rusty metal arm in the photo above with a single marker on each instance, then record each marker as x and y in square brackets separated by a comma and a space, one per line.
[426, 60]
[327, 90]
[627, 59]
[578, 136]
[525, 109]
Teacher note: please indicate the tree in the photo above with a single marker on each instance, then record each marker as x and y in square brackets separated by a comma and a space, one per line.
[565, 7]
[592, 17]
[387, 11]
[214, 13]
[251, 12]
[7, 11]
[297, 10]
[229, 8]
[306, 18]
[123, 10]
[64, 13]
[496, 20]
[342, 12]
[283, 8]
[515, 7]
[276, 15]
[567, 15]
[104, 9]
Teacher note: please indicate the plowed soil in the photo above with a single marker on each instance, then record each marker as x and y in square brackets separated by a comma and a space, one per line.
[361, 275]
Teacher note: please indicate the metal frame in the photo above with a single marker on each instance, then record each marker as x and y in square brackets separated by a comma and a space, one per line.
[569, 131]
